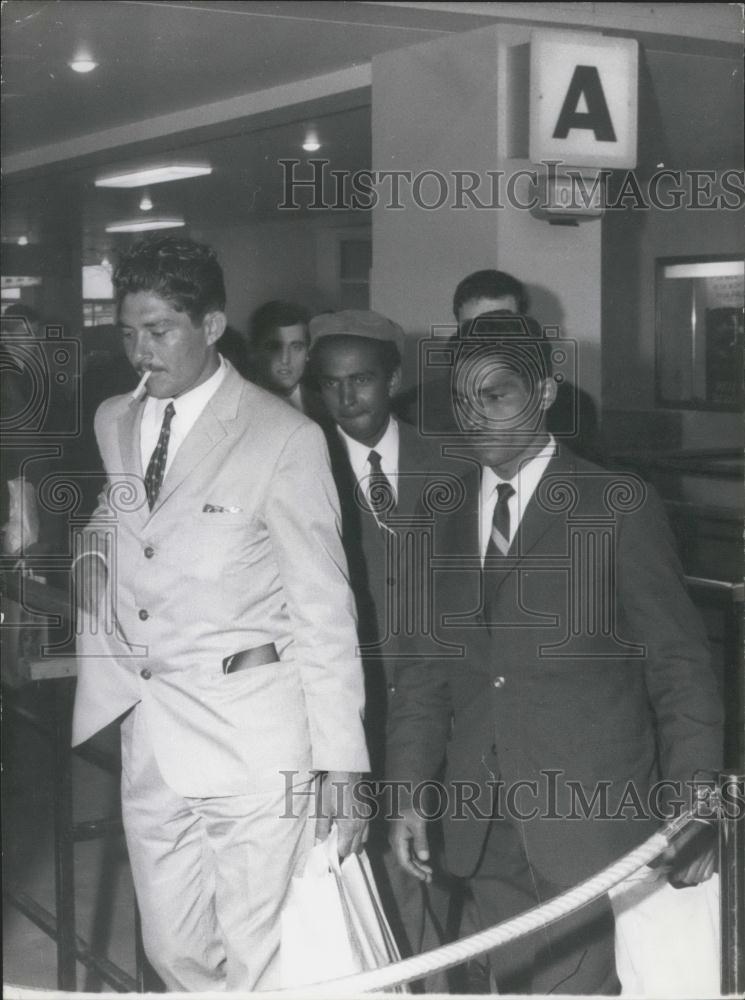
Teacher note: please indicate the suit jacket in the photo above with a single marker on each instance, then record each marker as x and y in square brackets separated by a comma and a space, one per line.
[581, 660]
[193, 587]
[376, 558]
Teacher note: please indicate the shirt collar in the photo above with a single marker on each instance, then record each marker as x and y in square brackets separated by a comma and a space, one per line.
[189, 404]
[387, 448]
[527, 476]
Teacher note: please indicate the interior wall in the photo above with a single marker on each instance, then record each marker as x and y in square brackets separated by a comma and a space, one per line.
[279, 259]
[632, 240]
[460, 109]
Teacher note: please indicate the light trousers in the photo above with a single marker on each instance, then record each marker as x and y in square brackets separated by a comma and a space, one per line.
[210, 874]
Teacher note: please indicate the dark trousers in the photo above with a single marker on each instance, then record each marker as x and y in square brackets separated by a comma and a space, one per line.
[575, 955]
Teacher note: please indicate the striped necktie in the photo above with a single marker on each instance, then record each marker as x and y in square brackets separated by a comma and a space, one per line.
[499, 539]
[156, 467]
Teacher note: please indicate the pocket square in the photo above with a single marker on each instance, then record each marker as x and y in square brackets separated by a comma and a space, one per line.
[213, 508]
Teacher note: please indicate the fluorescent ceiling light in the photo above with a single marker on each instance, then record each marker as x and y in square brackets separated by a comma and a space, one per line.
[154, 175]
[142, 225]
[83, 65]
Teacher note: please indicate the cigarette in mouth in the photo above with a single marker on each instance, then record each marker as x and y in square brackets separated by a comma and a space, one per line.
[140, 390]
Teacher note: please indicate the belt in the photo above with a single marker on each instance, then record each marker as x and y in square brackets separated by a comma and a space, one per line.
[255, 657]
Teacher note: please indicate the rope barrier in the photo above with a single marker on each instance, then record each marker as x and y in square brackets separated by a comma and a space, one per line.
[539, 916]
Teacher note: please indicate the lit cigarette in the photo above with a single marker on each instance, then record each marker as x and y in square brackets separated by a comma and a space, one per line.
[140, 390]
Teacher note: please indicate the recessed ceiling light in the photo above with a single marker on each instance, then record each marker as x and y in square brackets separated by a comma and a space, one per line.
[146, 203]
[83, 64]
[23, 241]
[311, 144]
[154, 175]
[142, 225]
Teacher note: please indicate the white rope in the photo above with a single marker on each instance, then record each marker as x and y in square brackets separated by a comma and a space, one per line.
[539, 916]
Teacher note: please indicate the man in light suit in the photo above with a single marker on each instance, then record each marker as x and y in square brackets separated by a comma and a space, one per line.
[223, 633]
[579, 675]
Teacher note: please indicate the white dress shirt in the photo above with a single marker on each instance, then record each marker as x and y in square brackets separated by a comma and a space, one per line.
[188, 408]
[524, 483]
[359, 454]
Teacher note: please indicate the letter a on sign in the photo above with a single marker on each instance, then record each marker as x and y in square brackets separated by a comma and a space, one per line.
[583, 99]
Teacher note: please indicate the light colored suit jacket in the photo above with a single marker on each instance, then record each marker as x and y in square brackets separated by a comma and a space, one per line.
[242, 548]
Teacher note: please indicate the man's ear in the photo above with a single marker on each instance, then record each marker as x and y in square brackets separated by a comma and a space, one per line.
[548, 393]
[214, 324]
[394, 382]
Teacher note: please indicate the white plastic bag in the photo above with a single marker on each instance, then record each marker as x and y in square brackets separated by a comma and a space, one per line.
[333, 923]
[667, 940]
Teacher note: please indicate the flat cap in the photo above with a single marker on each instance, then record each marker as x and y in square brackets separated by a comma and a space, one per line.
[356, 323]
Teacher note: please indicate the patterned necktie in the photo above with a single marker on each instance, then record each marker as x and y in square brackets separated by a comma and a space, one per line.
[156, 467]
[381, 497]
[500, 522]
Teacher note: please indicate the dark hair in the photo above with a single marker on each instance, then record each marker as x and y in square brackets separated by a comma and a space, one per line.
[184, 272]
[490, 285]
[516, 341]
[389, 356]
[272, 315]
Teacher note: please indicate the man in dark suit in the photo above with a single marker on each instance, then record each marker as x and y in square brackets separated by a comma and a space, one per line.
[579, 677]
[383, 469]
[278, 354]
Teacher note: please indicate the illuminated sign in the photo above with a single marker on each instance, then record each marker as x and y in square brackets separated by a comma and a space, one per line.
[583, 99]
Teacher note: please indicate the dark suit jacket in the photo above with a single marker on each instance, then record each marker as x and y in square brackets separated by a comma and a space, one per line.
[374, 557]
[601, 676]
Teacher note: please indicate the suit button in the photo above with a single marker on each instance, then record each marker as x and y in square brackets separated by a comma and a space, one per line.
[143, 615]
[391, 688]
[498, 682]
[149, 552]
[145, 674]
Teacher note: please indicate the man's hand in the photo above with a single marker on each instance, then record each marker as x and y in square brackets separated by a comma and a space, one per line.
[340, 807]
[691, 858]
[408, 838]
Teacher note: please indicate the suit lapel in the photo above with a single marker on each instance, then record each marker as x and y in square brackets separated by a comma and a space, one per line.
[212, 426]
[536, 521]
[129, 424]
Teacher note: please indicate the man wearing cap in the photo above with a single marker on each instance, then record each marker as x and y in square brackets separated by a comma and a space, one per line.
[581, 700]
[382, 468]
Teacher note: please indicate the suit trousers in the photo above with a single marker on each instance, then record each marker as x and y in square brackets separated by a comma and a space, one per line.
[575, 955]
[210, 874]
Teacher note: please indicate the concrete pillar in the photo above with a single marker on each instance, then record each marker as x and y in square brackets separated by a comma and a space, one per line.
[460, 104]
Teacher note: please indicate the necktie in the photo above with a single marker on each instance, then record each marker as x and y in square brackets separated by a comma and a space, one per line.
[381, 497]
[156, 467]
[500, 522]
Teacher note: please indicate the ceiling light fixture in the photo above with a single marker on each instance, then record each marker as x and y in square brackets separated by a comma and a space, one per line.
[23, 241]
[146, 203]
[311, 144]
[143, 176]
[142, 225]
[83, 64]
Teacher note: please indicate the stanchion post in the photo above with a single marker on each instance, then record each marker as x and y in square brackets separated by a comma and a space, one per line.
[732, 882]
[64, 863]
